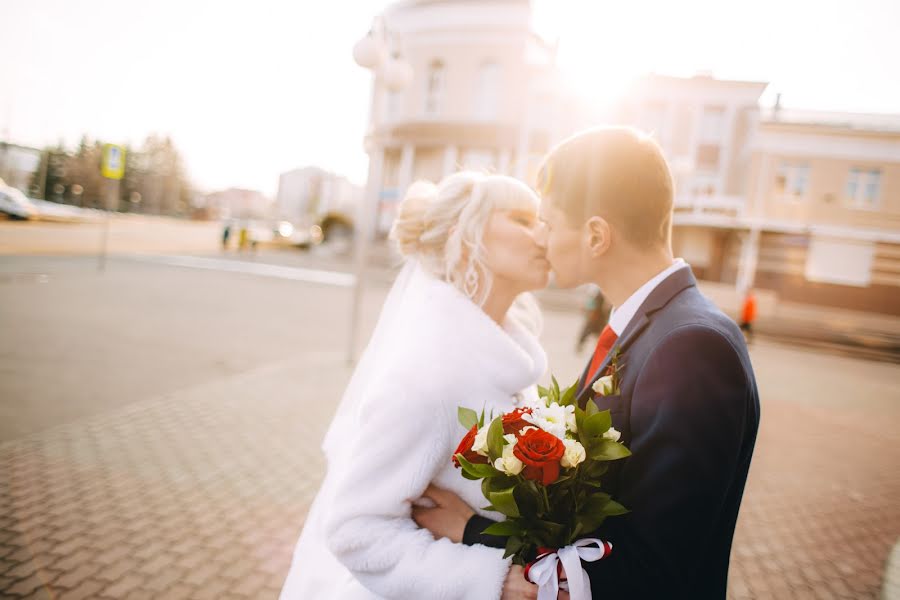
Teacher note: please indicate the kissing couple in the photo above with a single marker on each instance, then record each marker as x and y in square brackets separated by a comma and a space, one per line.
[394, 518]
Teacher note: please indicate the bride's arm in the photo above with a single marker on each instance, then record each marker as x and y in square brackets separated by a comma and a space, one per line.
[400, 446]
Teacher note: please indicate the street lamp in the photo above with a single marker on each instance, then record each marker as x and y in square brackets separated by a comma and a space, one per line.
[372, 52]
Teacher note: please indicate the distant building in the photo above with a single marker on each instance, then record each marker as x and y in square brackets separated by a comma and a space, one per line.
[308, 194]
[805, 204]
[237, 203]
[484, 95]
[18, 166]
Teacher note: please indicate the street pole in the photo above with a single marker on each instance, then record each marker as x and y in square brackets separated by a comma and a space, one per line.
[112, 168]
[364, 228]
[112, 194]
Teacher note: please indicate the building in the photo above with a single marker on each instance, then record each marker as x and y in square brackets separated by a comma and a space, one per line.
[308, 194]
[483, 94]
[805, 204]
[824, 209]
[236, 203]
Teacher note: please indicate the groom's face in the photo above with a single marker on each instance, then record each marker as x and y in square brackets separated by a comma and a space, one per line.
[565, 246]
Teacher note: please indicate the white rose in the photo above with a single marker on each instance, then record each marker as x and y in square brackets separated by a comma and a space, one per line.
[612, 434]
[604, 385]
[480, 444]
[574, 454]
[571, 424]
[551, 419]
[508, 463]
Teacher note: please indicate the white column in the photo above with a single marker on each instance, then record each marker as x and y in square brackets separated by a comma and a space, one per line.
[749, 256]
[725, 148]
[407, 157]
[451, 157]
[523, 148]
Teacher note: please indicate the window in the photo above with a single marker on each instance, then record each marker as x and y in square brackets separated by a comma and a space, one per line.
[792, 180]
[708, 157]
[487, 91]
[863, 186]
[434, 87]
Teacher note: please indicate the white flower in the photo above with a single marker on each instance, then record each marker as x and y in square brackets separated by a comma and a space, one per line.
[574, 454]
[551, 419]
[571, 424]
[604, 385]
[508, 463]
[480, 445]
[612, 434]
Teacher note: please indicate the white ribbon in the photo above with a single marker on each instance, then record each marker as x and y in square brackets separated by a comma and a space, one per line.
[543, 571]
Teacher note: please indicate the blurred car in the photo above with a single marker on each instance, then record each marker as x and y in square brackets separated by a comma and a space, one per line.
[16, 205]
[304, 237]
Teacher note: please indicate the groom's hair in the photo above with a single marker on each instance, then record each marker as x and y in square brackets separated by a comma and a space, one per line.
[617, 173]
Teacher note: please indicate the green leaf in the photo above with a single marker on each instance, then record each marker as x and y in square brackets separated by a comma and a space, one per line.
[468, 418]
[481, 418]
[598, 424]
[476, 471]
[604, 449]
[613, 508]
[543, 392]
[495, 439]
[591, 408]
[505, 528]
[505, 502]
[513, 545]
[569, 395]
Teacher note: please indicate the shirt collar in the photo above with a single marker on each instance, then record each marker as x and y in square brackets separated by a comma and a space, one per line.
[622, 315]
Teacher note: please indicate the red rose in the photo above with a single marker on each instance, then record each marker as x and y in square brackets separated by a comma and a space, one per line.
[513, 421]
[540, 451]
[465, 448]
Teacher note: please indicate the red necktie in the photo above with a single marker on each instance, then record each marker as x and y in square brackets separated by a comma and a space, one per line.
[608, 337]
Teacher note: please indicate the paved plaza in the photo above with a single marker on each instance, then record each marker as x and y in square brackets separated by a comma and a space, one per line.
[159, 432]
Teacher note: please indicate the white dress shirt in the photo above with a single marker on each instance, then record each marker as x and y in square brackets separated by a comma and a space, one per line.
[622, 315]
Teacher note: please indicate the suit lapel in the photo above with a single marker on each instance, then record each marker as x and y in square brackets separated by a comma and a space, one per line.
[668, 288]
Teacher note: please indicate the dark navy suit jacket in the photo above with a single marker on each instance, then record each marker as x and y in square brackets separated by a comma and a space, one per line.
[688, 409]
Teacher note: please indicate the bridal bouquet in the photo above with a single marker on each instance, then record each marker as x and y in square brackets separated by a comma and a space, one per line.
[541, 466]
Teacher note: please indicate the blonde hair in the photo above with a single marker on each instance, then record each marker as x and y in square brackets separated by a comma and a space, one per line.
[618, 173]
[443, 225]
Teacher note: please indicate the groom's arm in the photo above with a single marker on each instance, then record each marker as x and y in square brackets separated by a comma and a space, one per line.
[689, 412]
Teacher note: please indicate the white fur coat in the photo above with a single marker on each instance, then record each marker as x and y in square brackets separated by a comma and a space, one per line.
[359, 541]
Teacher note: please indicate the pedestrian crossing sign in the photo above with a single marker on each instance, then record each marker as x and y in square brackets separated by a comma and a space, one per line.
[113, 164]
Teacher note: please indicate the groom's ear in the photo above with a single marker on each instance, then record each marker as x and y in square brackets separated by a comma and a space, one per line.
[599, 236]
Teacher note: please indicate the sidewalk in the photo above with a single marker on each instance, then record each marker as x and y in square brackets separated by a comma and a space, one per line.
[198, 494]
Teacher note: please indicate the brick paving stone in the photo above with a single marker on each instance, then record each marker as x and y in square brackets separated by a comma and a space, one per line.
[123, 586]
[180, 591]
[75, 577]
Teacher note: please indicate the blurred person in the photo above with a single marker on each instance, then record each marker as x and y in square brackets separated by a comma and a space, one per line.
[685, 401]
[748, 315]
[458, 328]
[243, 238]
[226, 233]
[598, 309]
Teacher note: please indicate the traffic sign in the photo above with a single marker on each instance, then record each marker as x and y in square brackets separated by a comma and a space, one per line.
[113, 164]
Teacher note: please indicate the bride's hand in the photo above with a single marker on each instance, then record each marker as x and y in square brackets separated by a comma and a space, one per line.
[447, 519]
[516, 587]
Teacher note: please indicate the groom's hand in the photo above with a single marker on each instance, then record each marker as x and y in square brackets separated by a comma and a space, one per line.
[447, 519]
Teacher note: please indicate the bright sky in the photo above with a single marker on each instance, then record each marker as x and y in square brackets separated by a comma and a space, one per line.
[251, 89]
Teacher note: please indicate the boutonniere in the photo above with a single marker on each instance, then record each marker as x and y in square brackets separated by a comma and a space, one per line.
[608, 385]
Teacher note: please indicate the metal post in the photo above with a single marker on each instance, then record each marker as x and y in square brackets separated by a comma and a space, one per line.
[112, 194]
[365, 222]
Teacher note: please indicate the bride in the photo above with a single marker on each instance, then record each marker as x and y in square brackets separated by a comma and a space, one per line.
[457, 329]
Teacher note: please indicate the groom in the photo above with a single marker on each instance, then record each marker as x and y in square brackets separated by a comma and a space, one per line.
[686, 400]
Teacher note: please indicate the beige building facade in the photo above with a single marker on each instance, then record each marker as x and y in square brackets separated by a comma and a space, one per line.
[804, 204]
